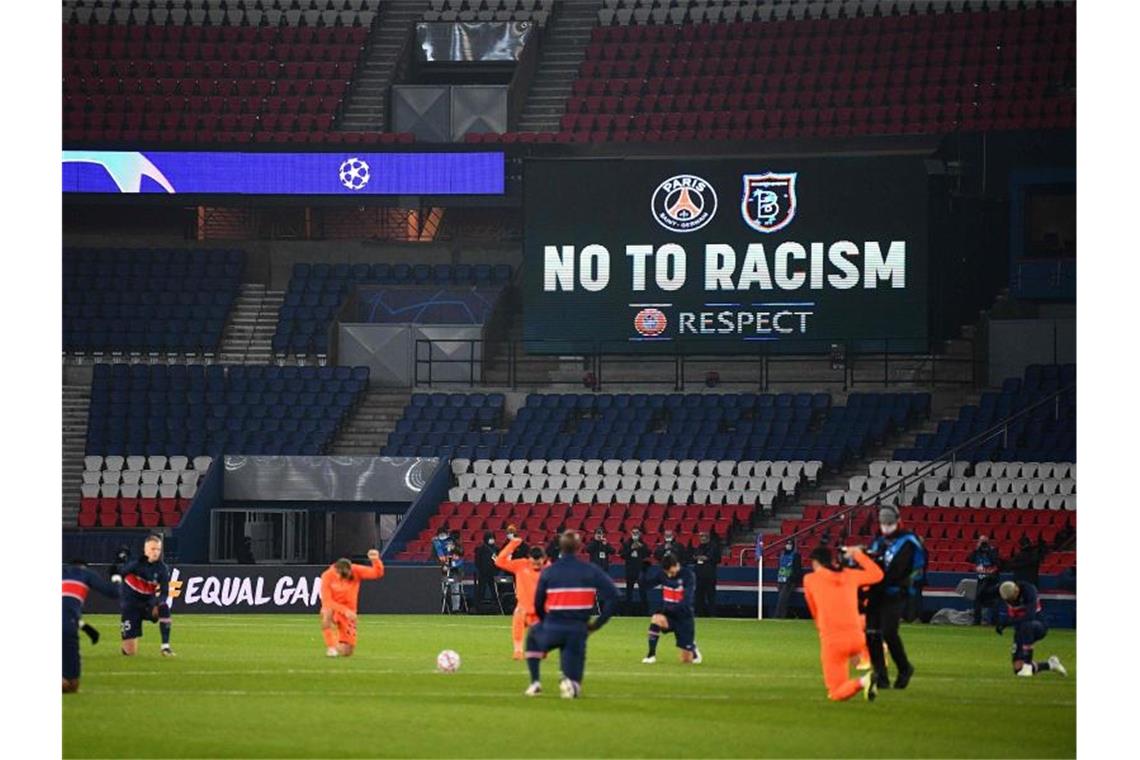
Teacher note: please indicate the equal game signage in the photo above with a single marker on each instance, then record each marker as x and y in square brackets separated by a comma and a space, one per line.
[718, 255]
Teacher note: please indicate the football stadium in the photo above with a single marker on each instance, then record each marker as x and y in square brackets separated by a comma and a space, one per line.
[569, 378]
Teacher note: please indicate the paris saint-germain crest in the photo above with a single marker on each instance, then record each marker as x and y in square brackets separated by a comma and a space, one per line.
[769, 200]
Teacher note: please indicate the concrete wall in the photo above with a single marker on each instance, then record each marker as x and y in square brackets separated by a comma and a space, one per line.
[1014, 344]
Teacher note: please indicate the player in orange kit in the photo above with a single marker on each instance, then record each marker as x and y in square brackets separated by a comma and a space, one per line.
[340, 588]
[526, 571]
[831, 592]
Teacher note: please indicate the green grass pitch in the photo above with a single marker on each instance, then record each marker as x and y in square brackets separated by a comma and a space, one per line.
[260, 686]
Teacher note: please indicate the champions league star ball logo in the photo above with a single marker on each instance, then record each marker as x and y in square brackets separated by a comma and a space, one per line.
[650, 322]
[354, 174]
[769, 200]
[683, 203]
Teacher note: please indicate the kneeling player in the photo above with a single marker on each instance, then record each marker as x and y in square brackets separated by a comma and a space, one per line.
[146, 587]
[526, 571]
[1021, 612]
[563, 601]
[340, 590]
[675, 615]
[832, 592]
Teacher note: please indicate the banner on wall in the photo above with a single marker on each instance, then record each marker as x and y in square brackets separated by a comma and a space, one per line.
[342, 173]
[720, 255]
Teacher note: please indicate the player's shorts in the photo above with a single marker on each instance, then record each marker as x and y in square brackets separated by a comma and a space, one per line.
[70, 651]
[131, 617]
[543, 637]
[345, 629]
[684, 629]
[1025, 636]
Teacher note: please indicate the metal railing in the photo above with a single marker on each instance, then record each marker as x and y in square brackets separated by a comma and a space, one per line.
[844, 517]
[857, 363]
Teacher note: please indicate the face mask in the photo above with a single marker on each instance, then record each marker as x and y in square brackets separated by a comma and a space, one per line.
[787, 547]
[636, 536]
[888, 529]
[490, 542]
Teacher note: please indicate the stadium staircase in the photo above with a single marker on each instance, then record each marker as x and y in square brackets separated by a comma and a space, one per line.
[76, 400]
[564, 48]
[367, 107]
[366, 431]
[253, 320]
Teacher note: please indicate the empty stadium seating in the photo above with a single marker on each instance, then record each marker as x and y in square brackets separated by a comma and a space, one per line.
[191, 410]
[730, 71]
[535, 11]
[317, 291]
[686, 482]
[714, 426]
[1047, 434]
[1008, 485]
[147, 301]
[137, 491]
[951, 533]
[231, 74]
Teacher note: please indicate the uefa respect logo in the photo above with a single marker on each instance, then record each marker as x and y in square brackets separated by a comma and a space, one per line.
[650, 322]
[683, 203]
[354, 173]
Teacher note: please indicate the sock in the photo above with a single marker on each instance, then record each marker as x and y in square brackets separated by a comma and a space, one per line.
[329, 635]
[532, 664]
[1040, 667]
[654, 635]
[164, 630]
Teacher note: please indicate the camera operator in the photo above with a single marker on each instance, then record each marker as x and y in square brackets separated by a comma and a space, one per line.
[987, 562]
[451, 565]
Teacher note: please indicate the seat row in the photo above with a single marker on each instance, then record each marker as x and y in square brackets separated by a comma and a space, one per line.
[175, 463]
[139, 490]
[1068, 502]
[638, 467]
[677, 484]
[154, 14]
[140, 477]
[764, 499]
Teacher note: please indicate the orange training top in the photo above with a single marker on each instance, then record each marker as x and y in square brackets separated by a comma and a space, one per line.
[526, 577]
[832, 596]
[340, 594]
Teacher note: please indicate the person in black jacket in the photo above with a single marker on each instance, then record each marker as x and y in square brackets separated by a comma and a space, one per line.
[788, 574]
[987, 563]
[1026, 564]
[600, 552]
[485, 569]
[669, 545]
[706, 558]
[898, 552]
[552, 547]
[635, 553]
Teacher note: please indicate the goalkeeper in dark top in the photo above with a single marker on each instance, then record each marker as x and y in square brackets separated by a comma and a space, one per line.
[674, 613]
[146, 587]
[1023, 614]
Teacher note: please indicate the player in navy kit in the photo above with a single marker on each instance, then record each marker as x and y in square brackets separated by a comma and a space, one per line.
[146, 584]
[77, 583]
[1023, 614]
[675, 613]
[564, 601]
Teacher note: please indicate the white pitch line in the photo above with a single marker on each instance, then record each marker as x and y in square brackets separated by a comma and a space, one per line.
[599, 675]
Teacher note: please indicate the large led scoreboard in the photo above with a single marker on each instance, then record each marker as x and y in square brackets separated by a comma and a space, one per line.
[722, 255]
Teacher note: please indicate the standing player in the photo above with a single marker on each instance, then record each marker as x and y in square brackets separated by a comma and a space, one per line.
[1022, 609]
[340, 590]
[526, 572]
[675, 615]
[832, 595]
[77, 583]
[146, 587]
[563, 602]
